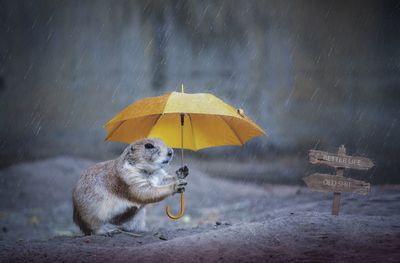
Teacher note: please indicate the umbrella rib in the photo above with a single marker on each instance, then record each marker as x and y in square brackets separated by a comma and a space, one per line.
[112, 132]
[191, 125]
[162, 113]
[237, 136]
[154, 124]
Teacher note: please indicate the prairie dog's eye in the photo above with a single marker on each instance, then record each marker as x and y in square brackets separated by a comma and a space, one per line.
[149, 146]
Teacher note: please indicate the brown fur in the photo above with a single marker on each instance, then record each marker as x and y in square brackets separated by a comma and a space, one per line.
[78, 220]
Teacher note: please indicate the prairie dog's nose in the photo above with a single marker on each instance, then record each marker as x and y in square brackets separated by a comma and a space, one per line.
[170, 152]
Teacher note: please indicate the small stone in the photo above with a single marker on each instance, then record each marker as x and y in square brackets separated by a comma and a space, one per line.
[162, 237]
[218, 223]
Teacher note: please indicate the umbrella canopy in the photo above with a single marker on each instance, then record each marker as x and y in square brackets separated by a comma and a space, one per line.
[209, 122]
[205, 120]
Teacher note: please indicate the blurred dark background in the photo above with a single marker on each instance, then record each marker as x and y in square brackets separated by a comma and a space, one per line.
[313, 74]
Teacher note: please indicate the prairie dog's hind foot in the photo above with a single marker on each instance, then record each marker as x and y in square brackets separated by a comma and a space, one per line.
[107, 230]
[137, 224]
[110, 230]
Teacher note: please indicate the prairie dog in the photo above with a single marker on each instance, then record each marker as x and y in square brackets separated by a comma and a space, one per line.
[111, 196]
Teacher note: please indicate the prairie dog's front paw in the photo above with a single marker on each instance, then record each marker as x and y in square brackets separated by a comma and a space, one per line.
[182, 172]
[180, 185]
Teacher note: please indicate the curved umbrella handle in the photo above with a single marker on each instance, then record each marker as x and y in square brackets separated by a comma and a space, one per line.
[168, 211]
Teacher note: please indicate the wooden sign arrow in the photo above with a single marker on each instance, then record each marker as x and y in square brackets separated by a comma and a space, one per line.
[339, 161]
[338, 184]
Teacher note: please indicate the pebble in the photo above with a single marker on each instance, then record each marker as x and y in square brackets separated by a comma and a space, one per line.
[162, 237]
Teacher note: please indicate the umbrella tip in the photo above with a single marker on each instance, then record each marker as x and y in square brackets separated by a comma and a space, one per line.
[182, 88]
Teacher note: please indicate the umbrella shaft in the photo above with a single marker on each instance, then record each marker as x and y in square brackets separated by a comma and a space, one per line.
[182, 123]
[182, 151]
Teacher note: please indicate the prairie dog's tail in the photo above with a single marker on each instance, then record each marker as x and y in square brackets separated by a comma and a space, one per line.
[79, 221]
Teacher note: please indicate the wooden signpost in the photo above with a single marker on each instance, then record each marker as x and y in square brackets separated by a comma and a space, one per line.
[338, 183]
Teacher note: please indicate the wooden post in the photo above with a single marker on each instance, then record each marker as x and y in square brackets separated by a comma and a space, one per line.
[336, 195]
[338, 183]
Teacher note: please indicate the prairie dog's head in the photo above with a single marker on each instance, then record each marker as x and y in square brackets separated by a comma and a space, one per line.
[148, 154]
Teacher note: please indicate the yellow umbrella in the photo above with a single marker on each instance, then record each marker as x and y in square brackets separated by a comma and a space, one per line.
[205, 120]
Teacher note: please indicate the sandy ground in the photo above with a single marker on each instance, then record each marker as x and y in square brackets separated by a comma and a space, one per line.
[225, 221]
